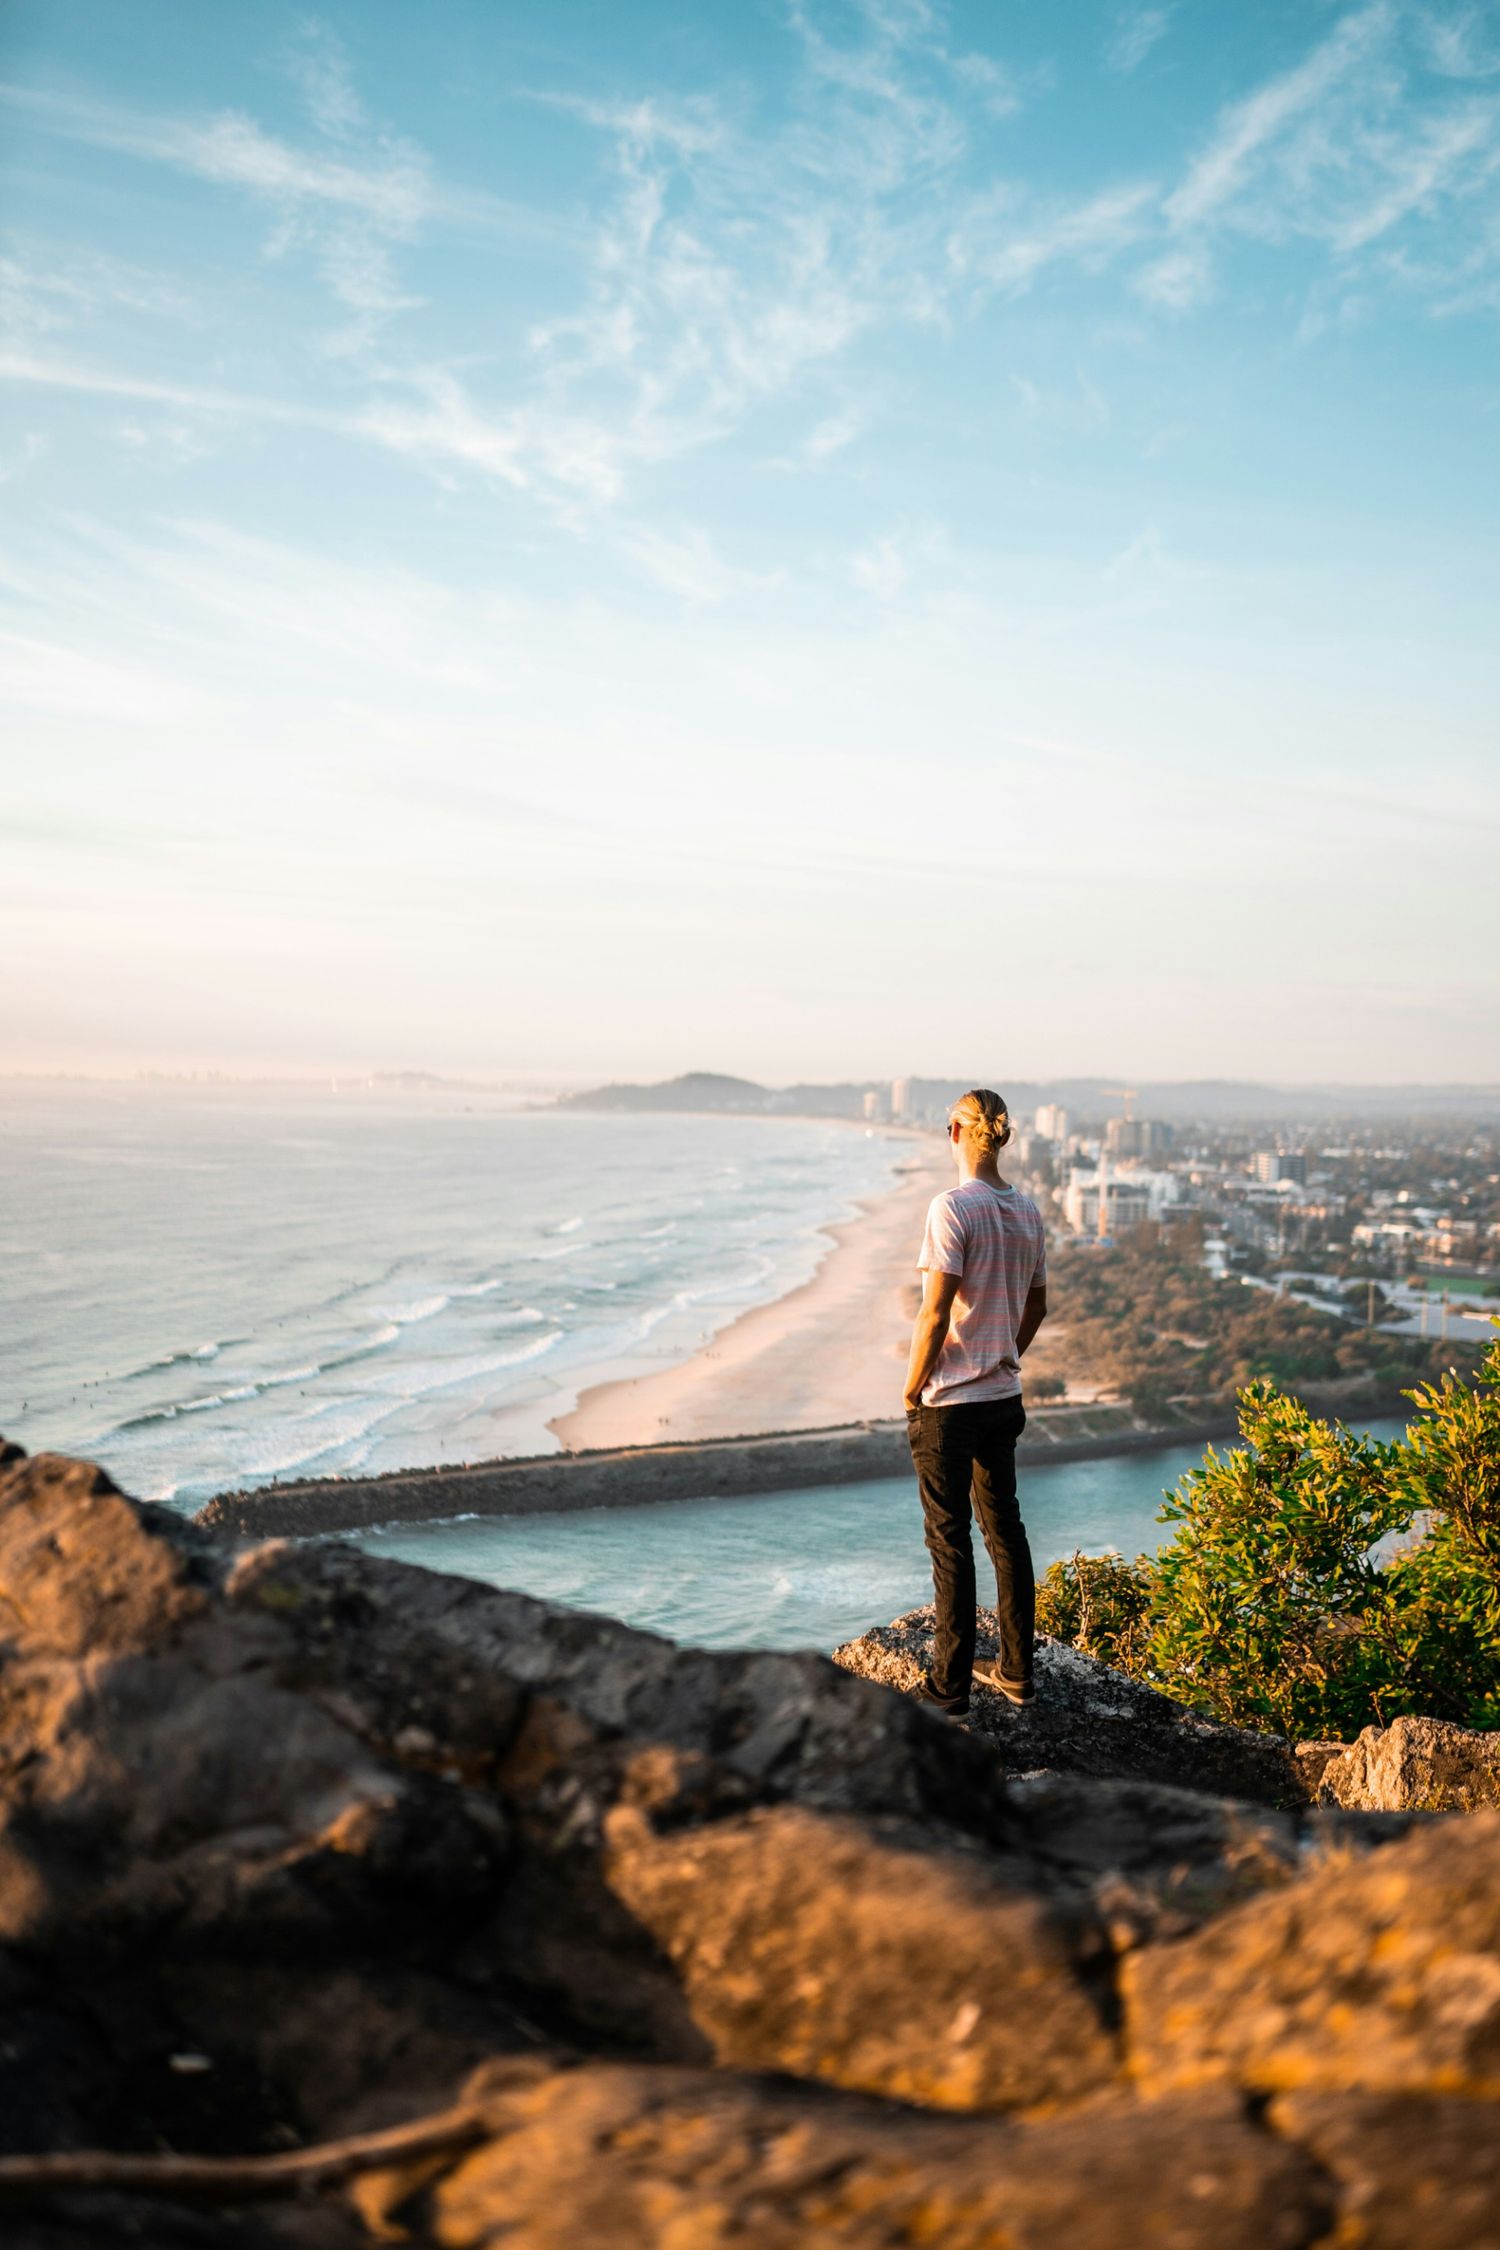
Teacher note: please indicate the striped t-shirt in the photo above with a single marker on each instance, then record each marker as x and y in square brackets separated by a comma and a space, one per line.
[993, 1239]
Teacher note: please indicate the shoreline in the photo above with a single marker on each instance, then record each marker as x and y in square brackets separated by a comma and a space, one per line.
[829, 1353]
[741, 1467]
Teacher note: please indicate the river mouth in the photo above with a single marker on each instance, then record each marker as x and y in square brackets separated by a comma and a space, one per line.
[781, 1570]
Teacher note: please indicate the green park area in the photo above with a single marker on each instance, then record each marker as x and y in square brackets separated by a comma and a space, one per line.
[1145, 1321]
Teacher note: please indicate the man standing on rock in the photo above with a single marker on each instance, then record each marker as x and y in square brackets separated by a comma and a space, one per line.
[984, 1296]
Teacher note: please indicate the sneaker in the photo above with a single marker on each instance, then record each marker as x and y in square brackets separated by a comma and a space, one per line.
[1014, 1691]
[928, 1694]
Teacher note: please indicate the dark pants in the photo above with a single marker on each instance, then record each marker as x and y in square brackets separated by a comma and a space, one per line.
[959, 1451]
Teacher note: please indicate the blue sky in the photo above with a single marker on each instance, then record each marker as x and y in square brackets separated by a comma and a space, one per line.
[801, 538]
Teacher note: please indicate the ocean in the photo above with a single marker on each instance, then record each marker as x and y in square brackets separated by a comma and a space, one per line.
[206, 1287]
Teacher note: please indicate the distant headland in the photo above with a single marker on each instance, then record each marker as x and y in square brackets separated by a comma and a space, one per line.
[710, 1092]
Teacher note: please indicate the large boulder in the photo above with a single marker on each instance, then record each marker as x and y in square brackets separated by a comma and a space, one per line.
[622, 2158]
[856, 1953]
[1414, 1765]
[1382, 1975]
[1410, 2172]
[1089, 1719]
[166, 1775]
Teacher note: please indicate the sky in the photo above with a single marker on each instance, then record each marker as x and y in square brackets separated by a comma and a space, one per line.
[812, 538]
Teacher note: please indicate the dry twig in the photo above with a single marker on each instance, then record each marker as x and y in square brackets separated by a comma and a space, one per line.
[241, 2179]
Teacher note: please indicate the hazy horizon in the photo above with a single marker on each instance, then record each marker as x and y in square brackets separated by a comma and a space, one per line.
[751, 539]
[1027, 1087]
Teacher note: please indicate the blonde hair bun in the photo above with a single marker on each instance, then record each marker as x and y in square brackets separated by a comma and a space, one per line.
[984, 1118]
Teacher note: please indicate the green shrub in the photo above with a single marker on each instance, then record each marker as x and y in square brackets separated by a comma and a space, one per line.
[1281, 1600]
[1454, 1448]
[1100, 1603]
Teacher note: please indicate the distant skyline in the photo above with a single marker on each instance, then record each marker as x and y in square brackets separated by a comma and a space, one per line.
[578, 542]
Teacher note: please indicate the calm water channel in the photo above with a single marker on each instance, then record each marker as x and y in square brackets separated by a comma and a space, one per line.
[790, 1569]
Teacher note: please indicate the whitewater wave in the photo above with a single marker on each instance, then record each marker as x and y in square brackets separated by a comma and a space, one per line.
[219, 1398]
[379, 1340]
[707, 1293]
[424, 1354]
[533, 1350]
[407, 1316]
[198, 1354]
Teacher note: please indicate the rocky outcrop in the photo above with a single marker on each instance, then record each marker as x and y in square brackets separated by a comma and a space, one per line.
[1409, 2172]
[616, 2158]
[1089, 1719]
[1382, 1977]
[1414, 1765]
[297, 1844]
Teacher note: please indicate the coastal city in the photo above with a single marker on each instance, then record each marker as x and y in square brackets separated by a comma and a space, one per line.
[1345, 1242]
[1380, 1223]
[1368, 1201]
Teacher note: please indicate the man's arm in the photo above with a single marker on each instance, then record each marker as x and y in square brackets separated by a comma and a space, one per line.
[927, 1338]
[1033, 1313]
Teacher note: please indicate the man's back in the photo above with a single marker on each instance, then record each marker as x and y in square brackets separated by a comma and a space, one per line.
[993, 1239]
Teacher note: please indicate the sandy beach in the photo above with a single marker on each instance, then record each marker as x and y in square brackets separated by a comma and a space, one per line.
[832, 1352]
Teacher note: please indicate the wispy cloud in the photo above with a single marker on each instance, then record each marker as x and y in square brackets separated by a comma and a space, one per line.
[57, 374]
[48, 287]
[318, 65]
[348, 201]
[233, 150]
[738, 263]
[1079, 405]
[1464, 44]
[1247, 127]
[1136, 31]
[1445, 152]
[914, 564]
[1347, 147]
[59, 680]
[15, 464]
[1179, 278]
[881, 569]
[687, 564]
[1009, 245]
[722, 260]
[831, 436]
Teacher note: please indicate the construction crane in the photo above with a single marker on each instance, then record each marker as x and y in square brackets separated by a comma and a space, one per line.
[1126, 1094]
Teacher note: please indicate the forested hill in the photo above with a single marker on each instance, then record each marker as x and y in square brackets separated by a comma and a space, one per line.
[695, 1090]
[712, 1091]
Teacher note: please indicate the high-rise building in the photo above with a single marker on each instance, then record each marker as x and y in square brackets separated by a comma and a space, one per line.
[1273, 1165]
[1137, 1137]
[1052, 1123]
[1106, 1203]
[874, 1106]
[900, 1097]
